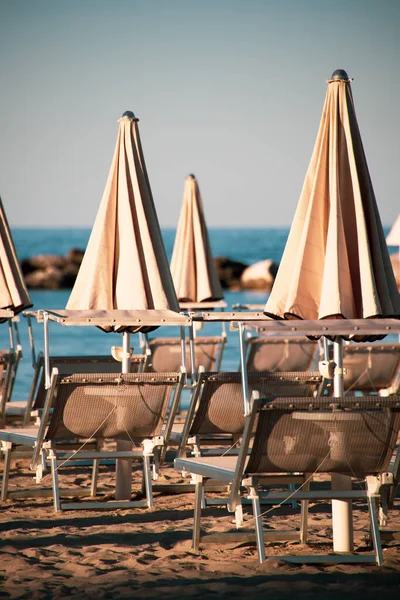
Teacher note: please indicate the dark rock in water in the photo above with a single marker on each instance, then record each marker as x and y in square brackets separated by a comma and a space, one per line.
[43, 261]
[69, 274]
[75, 256]
[49, 278]
[395, 260]
[259, 276]
[52, 271]
[229, 272]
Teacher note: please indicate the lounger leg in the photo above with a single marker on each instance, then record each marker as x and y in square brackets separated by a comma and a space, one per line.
[292, 488]
[304, 515]
[41, 467]
[6, 449]
[147, 480]
[376, 537]
[199, 491]
[203, 497]
[54, 477]
[156, 464]
[258, 524]
[95, 477]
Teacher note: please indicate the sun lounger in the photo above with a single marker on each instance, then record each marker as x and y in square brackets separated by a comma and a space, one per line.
[89, 409]
[166, 354]
[9, 361]
[371, 368]
[214, 422]
[281, 354]
[71, 364]
[215, 414]
[350, 436]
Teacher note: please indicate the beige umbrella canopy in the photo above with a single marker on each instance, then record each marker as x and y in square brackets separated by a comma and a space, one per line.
[336, 262]
[192, 265]
[393, 237]
[125, 266]
[13, 291]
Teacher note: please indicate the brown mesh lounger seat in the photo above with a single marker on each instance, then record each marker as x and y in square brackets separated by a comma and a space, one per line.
[166, 354]
[372, 368]
[33, 407]
[215, 415]
[281, 354]
[350, 436]
[215, 420]
[9, 361]
[96, 407]
[71, 364]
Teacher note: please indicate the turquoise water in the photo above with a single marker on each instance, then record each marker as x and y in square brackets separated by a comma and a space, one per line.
[245, 245]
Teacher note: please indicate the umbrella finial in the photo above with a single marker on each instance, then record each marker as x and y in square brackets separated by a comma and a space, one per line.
[340, 75]
[191, 176]
[129, 114]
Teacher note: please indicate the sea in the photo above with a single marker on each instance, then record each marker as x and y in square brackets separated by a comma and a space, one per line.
[247, 245]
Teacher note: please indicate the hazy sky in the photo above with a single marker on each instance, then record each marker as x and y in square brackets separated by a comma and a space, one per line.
[229, 90]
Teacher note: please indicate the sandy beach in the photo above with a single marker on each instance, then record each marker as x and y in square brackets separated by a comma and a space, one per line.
[143, 553]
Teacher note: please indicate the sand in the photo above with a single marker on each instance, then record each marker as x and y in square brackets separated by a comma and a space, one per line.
[146, 553]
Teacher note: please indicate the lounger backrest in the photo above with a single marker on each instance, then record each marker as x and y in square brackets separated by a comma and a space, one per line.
[166, 354]
[81, 364]
[220, 408]
[8, 367]
[281, 354]
[117, 406]
[370, 367]
[352, 436]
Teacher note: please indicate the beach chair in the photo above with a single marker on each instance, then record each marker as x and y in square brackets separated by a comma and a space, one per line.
[166, 354]
[215, 416]
[351, 436]
[71, 364]
[371, 368]
[281, 354]
[9, 360]
[93, 408]
[214, 421]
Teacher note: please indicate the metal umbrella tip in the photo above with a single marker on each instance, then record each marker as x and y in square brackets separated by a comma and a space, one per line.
[129, 114]
[340, 75]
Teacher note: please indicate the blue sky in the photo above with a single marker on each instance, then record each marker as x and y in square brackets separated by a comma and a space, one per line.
[229, 90]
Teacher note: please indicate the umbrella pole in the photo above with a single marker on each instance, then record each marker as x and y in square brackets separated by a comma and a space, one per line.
[342, 519]
[31, 340]
[11, 334]
[123, 469]
[183, 349]
[192, 354]
[46, 351]
[245, 383]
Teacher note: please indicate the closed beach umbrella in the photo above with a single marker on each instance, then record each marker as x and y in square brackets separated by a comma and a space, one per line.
[192, 266]
[336, 262]
[13, 291]
[393, 239]
[125, 266]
